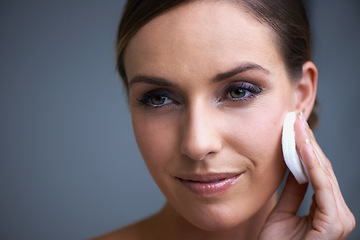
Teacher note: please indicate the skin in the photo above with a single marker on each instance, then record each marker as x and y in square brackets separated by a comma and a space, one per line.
[199, 127]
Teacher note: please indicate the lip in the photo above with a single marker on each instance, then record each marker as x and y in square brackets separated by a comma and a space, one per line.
[209, 184]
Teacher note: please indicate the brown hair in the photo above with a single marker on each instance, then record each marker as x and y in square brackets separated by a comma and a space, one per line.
[287, 18]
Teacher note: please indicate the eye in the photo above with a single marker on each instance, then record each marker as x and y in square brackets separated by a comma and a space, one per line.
[238, 93]
[242, 91]
[157, 98]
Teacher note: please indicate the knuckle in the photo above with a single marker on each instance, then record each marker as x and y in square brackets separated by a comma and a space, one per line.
[338, 229]
[349, 223]
[329, 186]
[329, 165]
[352, 221]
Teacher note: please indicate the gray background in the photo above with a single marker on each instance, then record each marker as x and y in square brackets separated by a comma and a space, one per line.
[69, 166]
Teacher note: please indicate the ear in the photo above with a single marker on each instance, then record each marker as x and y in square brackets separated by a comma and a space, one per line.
[305, 89]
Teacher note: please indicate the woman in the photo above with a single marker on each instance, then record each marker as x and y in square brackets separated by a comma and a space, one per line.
[209, 85]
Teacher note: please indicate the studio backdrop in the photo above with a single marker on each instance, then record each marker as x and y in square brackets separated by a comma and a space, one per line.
[69, 165]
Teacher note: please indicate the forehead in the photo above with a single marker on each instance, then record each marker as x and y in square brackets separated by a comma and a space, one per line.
[200, 34]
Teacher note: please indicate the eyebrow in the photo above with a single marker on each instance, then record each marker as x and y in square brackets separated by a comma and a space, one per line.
[218, 78]
[151, 80]
[240, 69]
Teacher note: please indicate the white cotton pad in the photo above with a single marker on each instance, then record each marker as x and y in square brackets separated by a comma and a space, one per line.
[291, 156]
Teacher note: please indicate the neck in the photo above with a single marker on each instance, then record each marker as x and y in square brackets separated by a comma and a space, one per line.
[174, 226]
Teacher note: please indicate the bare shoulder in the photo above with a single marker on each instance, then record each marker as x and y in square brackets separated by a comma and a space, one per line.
[140, 230]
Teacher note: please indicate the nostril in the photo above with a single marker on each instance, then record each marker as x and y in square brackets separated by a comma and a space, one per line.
[199, 137]
[193, 152]
[199, 147]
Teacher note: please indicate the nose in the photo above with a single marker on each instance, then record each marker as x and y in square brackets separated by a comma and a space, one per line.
[200, 136]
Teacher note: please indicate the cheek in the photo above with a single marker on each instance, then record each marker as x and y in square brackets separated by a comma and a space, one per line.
[264, 136]
[156, 141]
[258, 138]
[268, 157]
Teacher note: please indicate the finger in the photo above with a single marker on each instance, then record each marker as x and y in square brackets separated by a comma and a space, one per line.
[305, 134]
[324, 162]
[321, 181]
[326, 221]
[345, 216]
[326, 218]
[317, 149]
[341, 214]
[319, 175]
[291, 197]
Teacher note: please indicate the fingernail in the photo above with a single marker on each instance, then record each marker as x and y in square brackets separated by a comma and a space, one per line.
[307, 141]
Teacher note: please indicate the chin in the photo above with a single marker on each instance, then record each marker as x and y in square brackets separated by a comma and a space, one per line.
[217, 218]
[227, 215]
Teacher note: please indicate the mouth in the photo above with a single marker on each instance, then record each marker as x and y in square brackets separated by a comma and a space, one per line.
[209, 184]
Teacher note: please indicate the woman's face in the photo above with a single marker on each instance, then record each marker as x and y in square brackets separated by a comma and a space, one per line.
[208, 93]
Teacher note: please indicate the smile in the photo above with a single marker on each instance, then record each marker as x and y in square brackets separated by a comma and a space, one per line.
[210, 184]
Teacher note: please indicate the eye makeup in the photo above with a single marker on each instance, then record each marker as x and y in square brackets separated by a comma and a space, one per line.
[241, 91]
[158, 98]
[233, 92]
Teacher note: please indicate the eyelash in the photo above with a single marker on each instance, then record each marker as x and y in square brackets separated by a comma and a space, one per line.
[147, 97]
[249, 89]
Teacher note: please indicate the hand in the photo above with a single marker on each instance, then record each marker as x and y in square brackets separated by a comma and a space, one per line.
[329, 217]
